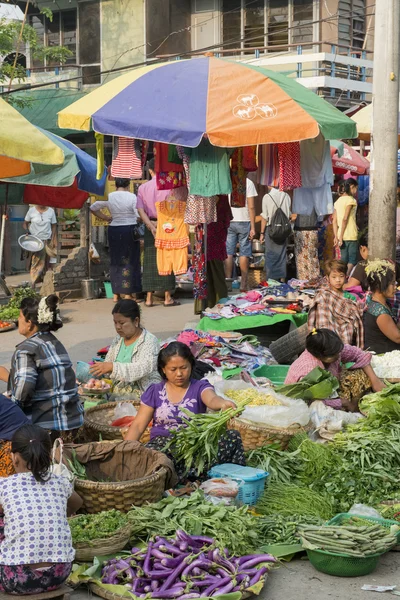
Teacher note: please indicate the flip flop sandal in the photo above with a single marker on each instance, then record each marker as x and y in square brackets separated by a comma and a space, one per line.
[149, 305]
[174, 303]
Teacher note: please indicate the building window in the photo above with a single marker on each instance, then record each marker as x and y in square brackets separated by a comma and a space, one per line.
[61, 31]
[351, 23]
[271, 23]
[278, 22]
[254, 23]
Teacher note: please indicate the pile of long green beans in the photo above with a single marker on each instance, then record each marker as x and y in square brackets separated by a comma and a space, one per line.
[287, 499]
[276, 529]
[357, 541]
[196, 445]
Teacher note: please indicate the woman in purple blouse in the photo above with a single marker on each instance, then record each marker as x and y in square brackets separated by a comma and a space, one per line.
[162, 403]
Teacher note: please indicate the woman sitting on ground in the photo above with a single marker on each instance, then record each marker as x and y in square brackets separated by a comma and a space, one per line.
[131, 361]
[36, 552]
[162, 403]
[325, 349]
[381, 332]
[42, 381]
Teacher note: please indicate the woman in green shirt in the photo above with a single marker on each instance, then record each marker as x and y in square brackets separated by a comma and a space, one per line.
[131, 360]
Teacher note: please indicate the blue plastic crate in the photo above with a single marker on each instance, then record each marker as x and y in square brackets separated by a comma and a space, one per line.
[251, 480]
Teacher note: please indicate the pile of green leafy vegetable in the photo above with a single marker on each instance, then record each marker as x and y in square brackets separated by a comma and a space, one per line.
[232, 527]
[287, 499]
[10, 312]
[86, 528]
[361, 465]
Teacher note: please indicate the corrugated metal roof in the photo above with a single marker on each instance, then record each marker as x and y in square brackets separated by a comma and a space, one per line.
[44, 105]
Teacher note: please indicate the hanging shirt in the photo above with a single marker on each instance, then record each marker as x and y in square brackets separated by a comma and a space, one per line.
[242, 214]
[172, 231]
[41, 222]
[127, 162]
[289, 166]
[316, 162]
[209, 170]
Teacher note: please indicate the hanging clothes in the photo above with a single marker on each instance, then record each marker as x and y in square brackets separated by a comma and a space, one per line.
[268, 166]
[289, 166]
[199, 263]
[316, 162]
[320, 199]
[250, 158]
[198, 208]
[209, 170]
[126, 163]
[238, 176]
[169, 175]
[99, 137]
[172, 237]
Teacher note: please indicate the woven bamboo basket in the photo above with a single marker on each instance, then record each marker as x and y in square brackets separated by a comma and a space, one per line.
[256, 437]
[255, 277]
[85, 551]
[98, 421]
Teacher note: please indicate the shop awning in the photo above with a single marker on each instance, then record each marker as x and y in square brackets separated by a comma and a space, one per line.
[45, 104]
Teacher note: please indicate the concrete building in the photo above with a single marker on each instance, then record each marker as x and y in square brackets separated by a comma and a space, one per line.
[326, 44]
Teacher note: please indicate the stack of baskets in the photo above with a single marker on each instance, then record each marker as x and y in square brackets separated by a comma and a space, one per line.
[254, 436]
[98, 421]
[86, 551]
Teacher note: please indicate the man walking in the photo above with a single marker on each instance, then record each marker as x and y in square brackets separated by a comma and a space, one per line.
[242, 230]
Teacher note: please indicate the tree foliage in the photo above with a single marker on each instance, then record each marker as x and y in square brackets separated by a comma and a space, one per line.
[9, 35]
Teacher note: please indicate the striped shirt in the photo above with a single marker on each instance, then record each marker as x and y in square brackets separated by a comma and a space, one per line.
[43, 383]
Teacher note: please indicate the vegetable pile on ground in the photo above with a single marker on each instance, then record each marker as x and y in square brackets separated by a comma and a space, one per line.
[287, 499]
[186, 567]
[358, 539]
[277, 529]
[232, 527]
[361, 465]
[86, 528]
[196, 445]
[10, 312]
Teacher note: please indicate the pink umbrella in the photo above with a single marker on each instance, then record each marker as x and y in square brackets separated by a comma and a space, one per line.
[349, 160]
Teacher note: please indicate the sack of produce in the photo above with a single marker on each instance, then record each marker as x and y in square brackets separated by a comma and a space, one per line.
[220, 487]
[266, 407]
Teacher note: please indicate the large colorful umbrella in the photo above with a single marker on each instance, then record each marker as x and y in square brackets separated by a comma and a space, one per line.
[22, 144]
[65, 186]
[363, 118]
[345, 158]
[233, 103]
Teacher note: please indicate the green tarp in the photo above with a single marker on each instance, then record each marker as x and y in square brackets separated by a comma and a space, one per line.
[248, 322]
[44, 104]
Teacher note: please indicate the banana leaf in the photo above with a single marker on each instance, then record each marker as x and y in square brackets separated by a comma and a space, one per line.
[316, 385]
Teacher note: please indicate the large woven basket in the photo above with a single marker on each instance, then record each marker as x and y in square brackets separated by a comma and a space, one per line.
[86, 551]
[256, 437]
[98, 421]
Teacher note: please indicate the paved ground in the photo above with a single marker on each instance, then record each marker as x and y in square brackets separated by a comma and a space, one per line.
[89, 328]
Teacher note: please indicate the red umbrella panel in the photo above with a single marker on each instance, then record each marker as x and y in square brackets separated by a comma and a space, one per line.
[349, 161]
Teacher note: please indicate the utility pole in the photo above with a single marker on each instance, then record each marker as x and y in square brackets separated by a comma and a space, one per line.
[384, 135]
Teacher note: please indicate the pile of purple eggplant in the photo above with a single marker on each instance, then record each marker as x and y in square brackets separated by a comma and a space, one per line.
[186, 567]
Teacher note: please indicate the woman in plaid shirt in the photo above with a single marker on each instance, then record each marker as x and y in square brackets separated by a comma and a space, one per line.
[42, 381]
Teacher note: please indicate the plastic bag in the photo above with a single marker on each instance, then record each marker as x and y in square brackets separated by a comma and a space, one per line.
[290, 412]
[331, 418]
[58, 468]
[220, 487]
[362, 510]
[94, 256]
[124, 409]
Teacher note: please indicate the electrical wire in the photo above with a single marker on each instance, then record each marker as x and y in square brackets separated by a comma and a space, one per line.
[180, 55]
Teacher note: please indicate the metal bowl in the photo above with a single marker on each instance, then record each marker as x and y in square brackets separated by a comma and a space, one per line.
[185, 286]
[31, 243]
[257, 246]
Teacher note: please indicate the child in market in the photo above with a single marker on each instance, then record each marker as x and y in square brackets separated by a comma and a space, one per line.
[36, 552]
[331, 308]
[325, 349]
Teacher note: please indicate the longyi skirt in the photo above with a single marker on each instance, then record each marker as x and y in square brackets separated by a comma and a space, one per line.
[125, 272]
